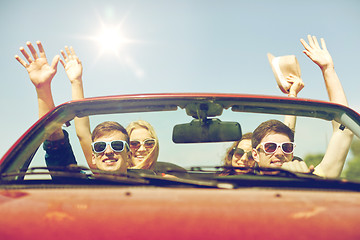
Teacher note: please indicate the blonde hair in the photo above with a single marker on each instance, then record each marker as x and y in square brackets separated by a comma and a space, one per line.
[151, 158]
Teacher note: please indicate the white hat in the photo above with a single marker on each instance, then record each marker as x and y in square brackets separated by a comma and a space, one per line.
[282, 67]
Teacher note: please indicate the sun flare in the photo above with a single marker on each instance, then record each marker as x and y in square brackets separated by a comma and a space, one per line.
[110, 39]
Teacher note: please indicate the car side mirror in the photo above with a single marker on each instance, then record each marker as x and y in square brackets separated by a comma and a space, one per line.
[206, 130]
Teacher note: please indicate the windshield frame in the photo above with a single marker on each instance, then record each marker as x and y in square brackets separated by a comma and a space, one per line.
[30, 141]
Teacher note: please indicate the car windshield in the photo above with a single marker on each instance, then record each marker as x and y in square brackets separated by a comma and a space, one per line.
[194, 134]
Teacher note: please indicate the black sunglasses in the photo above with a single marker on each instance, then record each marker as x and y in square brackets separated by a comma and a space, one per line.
[239, 152]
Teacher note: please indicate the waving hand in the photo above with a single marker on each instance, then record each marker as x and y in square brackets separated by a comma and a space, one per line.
[40, 72]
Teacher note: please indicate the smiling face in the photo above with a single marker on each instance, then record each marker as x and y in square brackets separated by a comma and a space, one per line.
[243, 160]
[277, 158]
[141, 152]
[110, 160]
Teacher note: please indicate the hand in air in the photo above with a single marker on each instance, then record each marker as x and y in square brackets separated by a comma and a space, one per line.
[71, 64]
[296, 84]
[40, 72]
[317, 54]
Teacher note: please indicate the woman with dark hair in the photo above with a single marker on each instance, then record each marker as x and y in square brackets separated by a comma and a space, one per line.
[239, 154]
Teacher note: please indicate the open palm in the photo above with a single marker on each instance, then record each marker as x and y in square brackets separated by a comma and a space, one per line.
[40, 72]
[317, 54]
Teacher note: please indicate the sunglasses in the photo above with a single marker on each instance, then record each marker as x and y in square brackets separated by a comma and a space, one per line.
[148, 143]
[270, 147]
[116, 146]
[239, 152]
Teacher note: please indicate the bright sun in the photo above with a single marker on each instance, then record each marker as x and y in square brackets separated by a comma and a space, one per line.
[110, 39]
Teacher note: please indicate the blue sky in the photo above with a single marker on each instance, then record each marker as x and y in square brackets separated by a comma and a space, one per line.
[173, 46]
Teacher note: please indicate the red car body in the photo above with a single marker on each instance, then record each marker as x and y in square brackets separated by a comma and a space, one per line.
[299, 209]
[152, 213]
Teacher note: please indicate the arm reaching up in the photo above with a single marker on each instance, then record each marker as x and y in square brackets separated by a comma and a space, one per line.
[57, 145]
[41, 75]
[73, 68]
[321, 57]
[296, 85]
[340, 141]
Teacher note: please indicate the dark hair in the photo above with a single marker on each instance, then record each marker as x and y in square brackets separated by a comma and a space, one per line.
[265, 128]
[230, 151]
[107, 127]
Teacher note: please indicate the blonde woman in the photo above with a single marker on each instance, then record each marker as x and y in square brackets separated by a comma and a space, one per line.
[144, 145]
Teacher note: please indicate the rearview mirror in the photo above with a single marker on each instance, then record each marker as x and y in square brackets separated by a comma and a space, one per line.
[206, 130]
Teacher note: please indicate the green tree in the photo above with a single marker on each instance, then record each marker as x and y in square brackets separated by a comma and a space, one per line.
[355, 147]
[352, 170]
[313, 159]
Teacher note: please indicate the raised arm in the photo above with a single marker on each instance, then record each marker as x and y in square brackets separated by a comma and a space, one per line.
[339, 144]
[73, 69]
[41, 75]
[296, 84]
[322, 57]
[56, 145]
[290, 72]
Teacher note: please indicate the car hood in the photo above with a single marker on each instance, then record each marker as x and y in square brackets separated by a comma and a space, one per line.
[178, 213]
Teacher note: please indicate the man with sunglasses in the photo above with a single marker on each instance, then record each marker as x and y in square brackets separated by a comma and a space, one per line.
[110, 149]
[110, 145]
[273, 146]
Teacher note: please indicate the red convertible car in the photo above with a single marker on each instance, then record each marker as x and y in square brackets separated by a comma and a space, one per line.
[191, 193]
